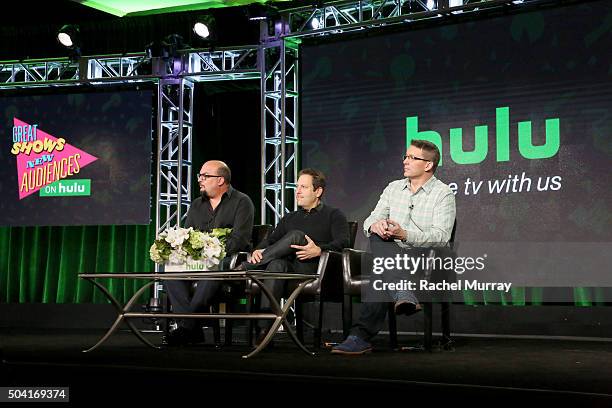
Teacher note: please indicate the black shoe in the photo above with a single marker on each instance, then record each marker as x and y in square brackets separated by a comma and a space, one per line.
[403, 307]
[176, 337]
[195, 336]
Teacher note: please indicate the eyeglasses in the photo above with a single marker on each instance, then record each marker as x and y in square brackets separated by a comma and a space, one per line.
[206, 176]
[412, 158]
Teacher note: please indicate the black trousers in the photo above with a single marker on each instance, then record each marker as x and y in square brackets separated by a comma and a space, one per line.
[372, 314]
[183, 301]
[280, 257]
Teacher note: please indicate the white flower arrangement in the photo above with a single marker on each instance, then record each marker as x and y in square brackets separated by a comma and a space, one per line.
[185, 245]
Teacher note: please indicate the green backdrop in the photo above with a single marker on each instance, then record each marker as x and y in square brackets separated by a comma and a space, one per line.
[41, 264]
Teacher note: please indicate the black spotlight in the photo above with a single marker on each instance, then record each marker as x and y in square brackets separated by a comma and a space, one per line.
[69, 36]
[204, 27]
[167, 48]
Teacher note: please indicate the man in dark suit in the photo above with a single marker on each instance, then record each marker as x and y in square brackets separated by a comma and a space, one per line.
[219, 206]
[296, 243]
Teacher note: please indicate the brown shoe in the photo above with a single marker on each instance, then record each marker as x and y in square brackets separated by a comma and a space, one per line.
[406, 308]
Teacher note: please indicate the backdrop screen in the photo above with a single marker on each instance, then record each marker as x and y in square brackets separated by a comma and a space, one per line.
[520, 107]
[75, 158]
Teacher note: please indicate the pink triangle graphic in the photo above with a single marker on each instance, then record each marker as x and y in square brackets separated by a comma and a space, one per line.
[23, 159]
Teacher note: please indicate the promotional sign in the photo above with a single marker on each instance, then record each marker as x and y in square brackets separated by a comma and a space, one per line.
[75, 158]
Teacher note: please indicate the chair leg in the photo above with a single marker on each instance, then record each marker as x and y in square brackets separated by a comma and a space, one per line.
[319, 326]
[216, 329]
[392, 326]
[299, 320]
[166, 308]
[228, 326]
[250, 307]
[427, 329]
[446, 330]
[347, 315]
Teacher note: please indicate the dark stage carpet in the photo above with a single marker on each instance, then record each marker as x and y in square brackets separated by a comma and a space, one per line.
[500, 371]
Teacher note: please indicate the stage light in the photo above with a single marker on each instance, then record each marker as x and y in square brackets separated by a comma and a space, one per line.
[65, 39]
[167, 48]
[201, 30]
[258, 12]
[315, 23]
[204, 26]
[68, 36]
[431, 4]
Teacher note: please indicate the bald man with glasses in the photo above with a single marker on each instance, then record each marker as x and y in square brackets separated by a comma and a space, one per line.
[219, 206]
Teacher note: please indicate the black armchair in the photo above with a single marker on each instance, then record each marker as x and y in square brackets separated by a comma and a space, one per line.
[353, 260]
[260, 232]
[444, 299]
[232, 291]
[328, 287]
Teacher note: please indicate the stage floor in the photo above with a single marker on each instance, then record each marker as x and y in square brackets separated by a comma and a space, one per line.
[499, 370]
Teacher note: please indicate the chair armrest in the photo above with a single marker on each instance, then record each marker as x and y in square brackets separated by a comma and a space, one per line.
[329, 281]
[431, 272]
[238, 258]
[351, 265]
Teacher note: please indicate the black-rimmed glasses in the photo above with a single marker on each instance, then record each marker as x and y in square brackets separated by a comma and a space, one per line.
[206, 176]
[412, 158]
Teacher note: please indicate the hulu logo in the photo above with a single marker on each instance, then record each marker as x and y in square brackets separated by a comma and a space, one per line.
[481, 139]
[67, 188]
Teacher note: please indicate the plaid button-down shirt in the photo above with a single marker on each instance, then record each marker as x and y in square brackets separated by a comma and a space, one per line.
[427, 215]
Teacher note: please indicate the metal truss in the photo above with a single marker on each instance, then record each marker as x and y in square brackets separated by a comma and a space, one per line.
[224, 64]
[174, 173]
[345, 16]
[175, 120]
[116, 67]
[199, 65]
[279, 128]
[174, 150]
[41, 72]
[65, 71]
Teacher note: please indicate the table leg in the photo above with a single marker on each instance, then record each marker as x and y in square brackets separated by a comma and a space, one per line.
[281, 314]
[120, 315]
[290, 331]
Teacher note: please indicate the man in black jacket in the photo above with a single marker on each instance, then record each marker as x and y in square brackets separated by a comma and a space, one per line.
[220, 206]
[297, 241]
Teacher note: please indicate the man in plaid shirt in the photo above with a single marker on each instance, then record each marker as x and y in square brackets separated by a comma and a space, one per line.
[416, 213]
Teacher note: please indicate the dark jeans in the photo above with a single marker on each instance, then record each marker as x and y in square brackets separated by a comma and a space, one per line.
[372, 314]
[280, 257]
[183, 301]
